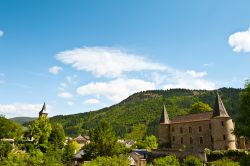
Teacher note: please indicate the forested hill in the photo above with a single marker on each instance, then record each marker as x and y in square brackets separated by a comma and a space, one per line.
[139, 114]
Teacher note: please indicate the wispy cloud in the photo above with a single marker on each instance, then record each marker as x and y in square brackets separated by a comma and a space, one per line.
[115, 90]
[106, 61]
[55, 70]
[65, 95]
[21, 109]
[196, 74]
[91, 101]
[120, 70]
[1, 33]
[2, 75]
[240, 41]
[70, 103]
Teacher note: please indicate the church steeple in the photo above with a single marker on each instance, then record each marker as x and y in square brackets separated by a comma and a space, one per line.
[43, 112]
[164, 116]
[219, 108]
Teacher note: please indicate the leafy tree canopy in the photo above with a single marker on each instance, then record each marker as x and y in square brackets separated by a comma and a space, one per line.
[10, 129]
[57, 136]
[200, 107]
[192, 161]
[41, 129]
[103, 142]
[170, 160]
[109, 161]
[243, 115]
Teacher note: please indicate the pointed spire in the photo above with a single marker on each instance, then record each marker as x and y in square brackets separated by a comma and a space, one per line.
[219, 108]
[164, 116]
[44, 109]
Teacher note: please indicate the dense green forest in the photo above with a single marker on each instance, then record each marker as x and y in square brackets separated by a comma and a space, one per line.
[139, 114]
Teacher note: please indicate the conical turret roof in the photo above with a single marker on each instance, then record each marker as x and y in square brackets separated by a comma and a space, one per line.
[219, 108]
[164, 116]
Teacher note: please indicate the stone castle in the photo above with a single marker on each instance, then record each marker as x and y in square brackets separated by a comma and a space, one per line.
[195, 132]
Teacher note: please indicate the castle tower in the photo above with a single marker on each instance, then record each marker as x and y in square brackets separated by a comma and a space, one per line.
[222, 127]
[164, 129]
[43, 112]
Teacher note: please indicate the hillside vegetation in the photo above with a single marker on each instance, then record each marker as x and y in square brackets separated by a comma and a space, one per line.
[139, 114]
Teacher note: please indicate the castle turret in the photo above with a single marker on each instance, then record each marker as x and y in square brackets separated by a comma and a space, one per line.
[222, 127]
[164, 129]
[43, 112]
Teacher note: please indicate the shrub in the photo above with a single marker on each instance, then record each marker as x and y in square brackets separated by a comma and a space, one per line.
[170, 160]
[192, 161]
[225, 162]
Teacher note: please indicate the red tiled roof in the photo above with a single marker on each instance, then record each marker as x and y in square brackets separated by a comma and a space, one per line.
[193, 117]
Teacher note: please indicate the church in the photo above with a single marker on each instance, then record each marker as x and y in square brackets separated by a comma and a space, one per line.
[195, 132]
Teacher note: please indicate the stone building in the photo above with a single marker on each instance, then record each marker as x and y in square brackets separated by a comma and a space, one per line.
[195, 132]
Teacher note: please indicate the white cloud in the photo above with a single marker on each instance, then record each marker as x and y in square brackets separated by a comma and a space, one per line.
[91, 101]
[196, 74]
[70, 103]
[72, 79]
[115, 90]
[55, 70]
[123, 80]
[21, 109]
[65, 95]
[240, 41]
[2, 81]
[105, 61]
[1, 33]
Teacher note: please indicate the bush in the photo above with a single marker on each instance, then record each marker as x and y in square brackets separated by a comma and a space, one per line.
[192, 161]
[245, 161]
[170, 160]
[225, 162]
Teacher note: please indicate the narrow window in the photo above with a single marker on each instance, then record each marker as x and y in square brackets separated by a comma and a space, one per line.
[191, 140]
[181, 130]
[201, 140]
[222, 123]
[200, 129]
[172, 129]
[210, 126]
[190, 129]
[212, 140]
[182, 140]
[173, 138]
[224, 137]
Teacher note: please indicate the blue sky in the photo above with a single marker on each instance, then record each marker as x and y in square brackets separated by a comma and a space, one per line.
[84, 55]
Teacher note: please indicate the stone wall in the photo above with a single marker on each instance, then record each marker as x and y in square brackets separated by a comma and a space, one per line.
[191, 136]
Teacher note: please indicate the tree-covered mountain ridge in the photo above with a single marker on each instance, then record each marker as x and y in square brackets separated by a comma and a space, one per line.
[139, 114]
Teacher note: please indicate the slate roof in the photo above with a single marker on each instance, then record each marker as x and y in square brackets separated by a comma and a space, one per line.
[219, 108]
[193, 117]
[164, 116]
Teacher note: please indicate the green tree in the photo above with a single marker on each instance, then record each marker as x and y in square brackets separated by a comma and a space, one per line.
[53, 157]
[149, 143]
[10, 129]
[225, 162]
[109, 161]
[170, 160]
[15, 158]
[35, 158]
[69, 152]
[103, 142]
[192, 161]
[200, 107]
[243, 114]
[5, 149]
[57, 136]
[41, 129]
